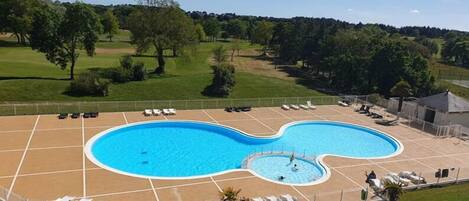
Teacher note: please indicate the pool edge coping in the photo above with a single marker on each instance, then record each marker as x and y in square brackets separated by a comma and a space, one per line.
[319, 159]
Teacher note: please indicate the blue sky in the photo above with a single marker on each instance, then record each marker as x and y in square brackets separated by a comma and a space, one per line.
[453, 14]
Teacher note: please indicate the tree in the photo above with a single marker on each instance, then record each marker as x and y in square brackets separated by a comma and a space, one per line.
[212, 28]
[60, 36]
[16, 17]
[393, 191]
[236, 28]
[263, 34]
[163, 28]
[219, 55]
[235, 47]
[229, 194]
[110, 24]
[401, 89]
[199, 31]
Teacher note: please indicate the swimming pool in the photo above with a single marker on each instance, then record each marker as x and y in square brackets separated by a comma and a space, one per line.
[189, 149]
[278, 168]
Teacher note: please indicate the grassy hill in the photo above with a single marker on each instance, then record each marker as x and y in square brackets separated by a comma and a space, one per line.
[25, 75]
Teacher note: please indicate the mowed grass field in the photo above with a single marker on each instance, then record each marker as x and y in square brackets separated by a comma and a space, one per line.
[450, 193]
[26, 76]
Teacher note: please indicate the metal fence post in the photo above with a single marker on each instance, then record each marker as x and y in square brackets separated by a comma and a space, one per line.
[457, 176]
[342, 195]
[37, 108]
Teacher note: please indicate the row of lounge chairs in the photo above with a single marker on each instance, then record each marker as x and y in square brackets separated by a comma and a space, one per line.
[70, 198]
[308, 106]
[77, 115]
[405, 178]
[158, 112]
[344, 103]
[238, 109]
[367, 110]
[286, 197]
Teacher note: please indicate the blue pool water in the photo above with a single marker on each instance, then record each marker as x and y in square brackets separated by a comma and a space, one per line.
[186, 149]
[273, 167]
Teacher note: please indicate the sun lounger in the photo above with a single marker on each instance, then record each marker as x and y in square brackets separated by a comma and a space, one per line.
[361, 109]
[343, 104]
[166, 112]
[288, 197]
[304, 107]
[390, 179]
[387, 122]
[66, 198]
[246, 109]
[229, 109]
[172, 111]
[376, 185]
[272, 198]
[75, 115]
[310, 105]
[156, 112]
[63, 115]
[402, 180]
[85, 199]
[257, 199]
[87, 115]
[94, 114]
[295, 107]
[147, 112]
[414, 178]
[285, 107]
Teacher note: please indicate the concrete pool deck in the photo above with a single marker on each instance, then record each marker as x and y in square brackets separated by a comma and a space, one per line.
[42, 158]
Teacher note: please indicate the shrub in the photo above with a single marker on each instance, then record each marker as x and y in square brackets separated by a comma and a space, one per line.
[128, 71]
[89, 84]
[223, 81]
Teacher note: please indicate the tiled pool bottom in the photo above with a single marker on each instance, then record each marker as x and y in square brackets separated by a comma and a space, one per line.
[54, 166]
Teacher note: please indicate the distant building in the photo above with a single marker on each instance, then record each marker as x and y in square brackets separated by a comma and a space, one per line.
[444, 109]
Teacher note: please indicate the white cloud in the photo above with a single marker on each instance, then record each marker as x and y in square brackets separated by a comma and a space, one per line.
[415, 11]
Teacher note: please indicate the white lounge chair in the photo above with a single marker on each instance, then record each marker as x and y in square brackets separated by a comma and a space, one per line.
[310, 105]
[166, 112]
[147, 112]
[414, 178]
[272, 198]
[156, 112]
[288, 197]
[172, 111]
[85, 199]
[403, 180]
[376, 185]
[285, 107]
[343, 104]
[257, 199]
[66, 198]
[390, 179]
[295, 107]
[304, 107]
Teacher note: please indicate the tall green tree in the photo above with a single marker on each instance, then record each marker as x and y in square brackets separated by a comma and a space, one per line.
[263, 35]
[212, 28]
[16, 17]
[236, 28]
[110, 24]
[163, 27]
[61, 35]
[199, 31]
[235, 48]
[219, 55]
[402, 89]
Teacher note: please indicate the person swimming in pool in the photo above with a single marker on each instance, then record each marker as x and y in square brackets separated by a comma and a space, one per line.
[294, 168]
[281, 178]
[292, 157]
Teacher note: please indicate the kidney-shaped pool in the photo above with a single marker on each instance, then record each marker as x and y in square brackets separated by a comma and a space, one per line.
[188, 149]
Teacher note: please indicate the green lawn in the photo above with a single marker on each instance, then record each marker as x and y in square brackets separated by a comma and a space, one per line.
[450, 193]
[25, 76]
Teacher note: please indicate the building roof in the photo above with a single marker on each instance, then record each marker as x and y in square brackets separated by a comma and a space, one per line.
[445, 102]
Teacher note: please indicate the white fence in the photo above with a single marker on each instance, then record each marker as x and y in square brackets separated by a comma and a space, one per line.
[124, 106]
